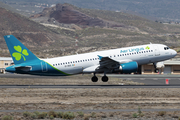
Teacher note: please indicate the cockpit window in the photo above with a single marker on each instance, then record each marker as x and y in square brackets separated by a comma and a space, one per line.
[166, 48]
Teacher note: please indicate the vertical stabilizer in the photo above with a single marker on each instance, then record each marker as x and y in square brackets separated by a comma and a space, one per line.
[18, 51]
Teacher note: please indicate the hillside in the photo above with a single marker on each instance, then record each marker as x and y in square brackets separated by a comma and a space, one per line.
[66, 29]
[162, 9]
[35, 36]
[111, 29]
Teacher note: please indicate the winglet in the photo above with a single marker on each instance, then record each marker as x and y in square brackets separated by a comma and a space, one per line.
[100, 57]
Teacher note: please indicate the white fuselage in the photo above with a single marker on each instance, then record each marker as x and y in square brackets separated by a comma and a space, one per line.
[144, 54]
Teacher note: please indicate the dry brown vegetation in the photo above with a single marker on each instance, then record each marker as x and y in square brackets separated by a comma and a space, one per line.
[88, 98]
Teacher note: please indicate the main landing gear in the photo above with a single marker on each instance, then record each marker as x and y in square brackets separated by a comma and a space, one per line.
[104, 78]
[95, 79]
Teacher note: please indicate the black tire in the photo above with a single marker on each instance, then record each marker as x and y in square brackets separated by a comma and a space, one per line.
[156, 70]
[94, 79]
[104, 78]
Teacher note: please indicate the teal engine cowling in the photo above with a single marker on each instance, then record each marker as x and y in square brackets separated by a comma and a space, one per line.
[127, 67]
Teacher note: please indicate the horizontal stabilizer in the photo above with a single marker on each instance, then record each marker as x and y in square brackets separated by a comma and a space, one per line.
[23, 68]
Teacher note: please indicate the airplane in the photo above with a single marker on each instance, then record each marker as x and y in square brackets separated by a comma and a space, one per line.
[122, 60]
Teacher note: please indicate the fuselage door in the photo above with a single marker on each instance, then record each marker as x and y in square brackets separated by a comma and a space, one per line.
[44, 66]
[156, 49]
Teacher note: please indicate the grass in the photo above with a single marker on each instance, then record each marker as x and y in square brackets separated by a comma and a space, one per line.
[7, 117]
[161, 113]
[80, 114]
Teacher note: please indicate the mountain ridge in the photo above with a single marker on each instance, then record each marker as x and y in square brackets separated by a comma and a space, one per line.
[48, 41]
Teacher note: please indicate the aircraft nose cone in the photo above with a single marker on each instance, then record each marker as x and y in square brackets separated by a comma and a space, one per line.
[174, 53]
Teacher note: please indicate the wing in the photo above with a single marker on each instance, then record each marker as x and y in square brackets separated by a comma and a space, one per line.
[107, 63]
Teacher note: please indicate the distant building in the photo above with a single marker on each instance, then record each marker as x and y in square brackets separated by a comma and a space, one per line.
[5, 62]
[171, 67]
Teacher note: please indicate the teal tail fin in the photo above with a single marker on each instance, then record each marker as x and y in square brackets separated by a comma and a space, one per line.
[18, 51]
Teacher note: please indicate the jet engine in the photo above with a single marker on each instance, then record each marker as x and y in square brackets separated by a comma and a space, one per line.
[159, 65]
[127, 67]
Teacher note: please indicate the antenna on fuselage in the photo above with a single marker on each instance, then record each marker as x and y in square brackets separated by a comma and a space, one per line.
[150, 43]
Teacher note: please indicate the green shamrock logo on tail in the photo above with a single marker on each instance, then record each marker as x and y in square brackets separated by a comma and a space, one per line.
[20, 53]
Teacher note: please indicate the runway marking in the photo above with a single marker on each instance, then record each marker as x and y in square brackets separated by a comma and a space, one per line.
[155, 79]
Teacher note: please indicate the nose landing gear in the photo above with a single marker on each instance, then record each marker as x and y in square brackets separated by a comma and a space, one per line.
[155, 66]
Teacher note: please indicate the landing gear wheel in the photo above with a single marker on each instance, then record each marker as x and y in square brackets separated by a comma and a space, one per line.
[156, 70]
[94, 79]
[104, 78]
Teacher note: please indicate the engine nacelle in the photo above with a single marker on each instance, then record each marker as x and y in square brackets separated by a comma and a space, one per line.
[127, 67]
[159, 65]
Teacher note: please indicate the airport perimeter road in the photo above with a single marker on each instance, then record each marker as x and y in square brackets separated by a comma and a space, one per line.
[151, 79]
[96, 110]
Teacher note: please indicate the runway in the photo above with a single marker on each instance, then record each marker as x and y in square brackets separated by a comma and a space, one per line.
[89, 86]
[150, 81]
